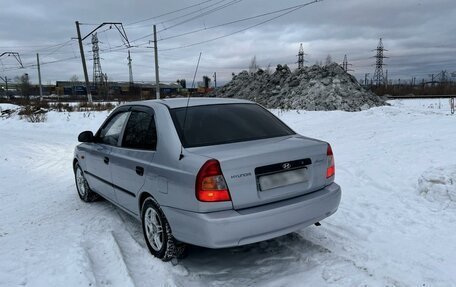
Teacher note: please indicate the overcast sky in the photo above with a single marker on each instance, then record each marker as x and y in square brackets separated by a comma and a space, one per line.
[420, 36]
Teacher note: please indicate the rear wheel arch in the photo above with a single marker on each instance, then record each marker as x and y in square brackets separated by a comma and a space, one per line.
[142, 197]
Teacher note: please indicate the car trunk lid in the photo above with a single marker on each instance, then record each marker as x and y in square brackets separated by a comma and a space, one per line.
[263, 171]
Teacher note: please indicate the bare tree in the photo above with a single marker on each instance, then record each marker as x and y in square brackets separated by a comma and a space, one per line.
[182, 83]
[24, 85]
[206, 82]
[74, 79]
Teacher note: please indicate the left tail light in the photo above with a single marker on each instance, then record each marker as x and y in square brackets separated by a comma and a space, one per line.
[210, 183]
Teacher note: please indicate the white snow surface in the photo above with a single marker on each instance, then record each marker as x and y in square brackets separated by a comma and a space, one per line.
[396, 224]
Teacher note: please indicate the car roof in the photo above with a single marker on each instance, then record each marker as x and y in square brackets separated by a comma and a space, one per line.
[182, 102]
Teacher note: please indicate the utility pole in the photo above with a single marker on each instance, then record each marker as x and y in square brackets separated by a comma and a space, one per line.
[157, 76]
[215, 79]
[5, 79]
[432, 79]
[84, 66]
[365, 79]
[130, 71]
[39, 75]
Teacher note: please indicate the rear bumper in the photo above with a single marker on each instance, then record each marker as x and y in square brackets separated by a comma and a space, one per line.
[233, 228]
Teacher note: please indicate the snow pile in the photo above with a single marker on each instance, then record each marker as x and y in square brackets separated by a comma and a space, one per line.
[439, 184]
[310, 88]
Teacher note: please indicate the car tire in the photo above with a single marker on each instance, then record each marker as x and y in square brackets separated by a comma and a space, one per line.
[82, 186]
[157, 233]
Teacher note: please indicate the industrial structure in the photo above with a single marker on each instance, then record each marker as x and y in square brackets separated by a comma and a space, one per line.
[379, 78]
[345, 65]
[98, 77]
[301, 55]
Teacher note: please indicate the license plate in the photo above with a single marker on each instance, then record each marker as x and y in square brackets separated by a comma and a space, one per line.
[275, 180]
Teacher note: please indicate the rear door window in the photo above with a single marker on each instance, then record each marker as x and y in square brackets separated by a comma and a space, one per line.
[140, 132]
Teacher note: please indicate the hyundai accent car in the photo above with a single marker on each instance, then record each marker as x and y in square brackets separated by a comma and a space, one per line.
[205, 171]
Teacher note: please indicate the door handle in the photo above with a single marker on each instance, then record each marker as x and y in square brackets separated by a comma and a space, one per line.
[140, 170]
[106, 160]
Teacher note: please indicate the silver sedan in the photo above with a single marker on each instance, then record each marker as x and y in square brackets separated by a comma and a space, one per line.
[209, 172]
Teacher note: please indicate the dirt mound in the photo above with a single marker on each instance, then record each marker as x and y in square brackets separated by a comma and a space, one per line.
[312, 88]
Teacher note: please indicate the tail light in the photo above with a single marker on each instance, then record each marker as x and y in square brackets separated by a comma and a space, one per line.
[331, 167]
[210, 183]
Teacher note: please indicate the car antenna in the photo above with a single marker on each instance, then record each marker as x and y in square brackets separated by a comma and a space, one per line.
[181, 156]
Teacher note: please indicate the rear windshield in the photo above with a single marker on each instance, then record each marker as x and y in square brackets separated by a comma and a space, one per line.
[226, 123]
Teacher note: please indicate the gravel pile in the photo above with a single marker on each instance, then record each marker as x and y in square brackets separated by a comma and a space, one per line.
[312, 88]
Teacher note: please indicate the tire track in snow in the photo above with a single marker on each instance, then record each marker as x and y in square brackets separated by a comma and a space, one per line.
[107, 261]
[118, 253]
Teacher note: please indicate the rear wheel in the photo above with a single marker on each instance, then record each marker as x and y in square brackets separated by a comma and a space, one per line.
[157, 232]
[84, 191]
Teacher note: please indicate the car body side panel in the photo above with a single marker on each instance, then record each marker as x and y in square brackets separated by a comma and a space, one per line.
[97, 172]
[126, 181]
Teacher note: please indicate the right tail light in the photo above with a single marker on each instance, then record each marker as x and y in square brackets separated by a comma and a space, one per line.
[330, 167]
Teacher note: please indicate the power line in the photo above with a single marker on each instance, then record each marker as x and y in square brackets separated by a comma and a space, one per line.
[203, 13]
[232, 2]
[285, 10]
[233, 22]
[244, 29]
[34, 66]
[185, 15]
[43, 47]
[59, 47]
[168, 13]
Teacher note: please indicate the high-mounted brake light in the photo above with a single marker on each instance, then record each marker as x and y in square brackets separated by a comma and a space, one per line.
[331, 167]
[210, 183]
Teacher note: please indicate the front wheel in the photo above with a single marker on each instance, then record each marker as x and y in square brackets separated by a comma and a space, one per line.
[84, 191]
[157, 232]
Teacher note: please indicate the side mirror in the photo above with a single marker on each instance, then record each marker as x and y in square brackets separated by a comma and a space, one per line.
[86, 137]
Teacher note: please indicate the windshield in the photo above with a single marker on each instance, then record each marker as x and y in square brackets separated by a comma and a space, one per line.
[226, 123]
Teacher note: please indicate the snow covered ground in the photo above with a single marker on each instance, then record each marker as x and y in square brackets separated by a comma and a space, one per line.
[396, 225]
